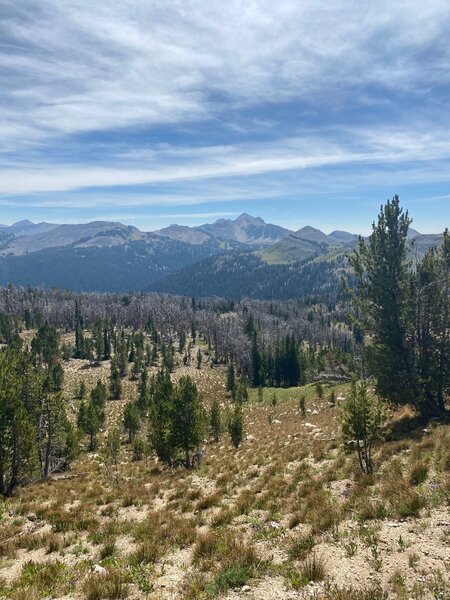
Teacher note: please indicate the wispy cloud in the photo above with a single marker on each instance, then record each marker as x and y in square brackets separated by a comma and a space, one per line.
[215, 98]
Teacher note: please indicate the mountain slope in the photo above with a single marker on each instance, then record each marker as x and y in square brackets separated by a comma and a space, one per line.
[97, 233]
[183, 233]
[240, 275]
[118, 268]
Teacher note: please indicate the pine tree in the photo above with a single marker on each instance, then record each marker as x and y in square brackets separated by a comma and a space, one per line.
[231, 380]
[81, 393]
[187, 419]
[236, 425]
[90, 419]
[363, 416]
[199, 359]
[142, 401]
[131, 420]
[160, 416]
[115, 383]
[20, 391]
[396, 306]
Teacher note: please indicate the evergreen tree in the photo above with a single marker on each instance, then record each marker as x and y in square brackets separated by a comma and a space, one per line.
[399, 309]
[106, 344]
[115, 383]
[18, 405]
[231, 380]
[138, 448]
[98, 399]
[81, 393]
[160, 416]
[236, 425]
[187, 419]
[199, 359]
[362, 418]
[131, 420]
[57, 377]
[142, 401]
[90, 419]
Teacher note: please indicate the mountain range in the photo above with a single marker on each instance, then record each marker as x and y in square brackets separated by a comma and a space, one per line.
[231, 257]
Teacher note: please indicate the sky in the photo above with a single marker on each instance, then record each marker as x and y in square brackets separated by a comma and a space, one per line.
[185, 111]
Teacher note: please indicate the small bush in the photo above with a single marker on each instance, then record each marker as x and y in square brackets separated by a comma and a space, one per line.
[418, 473]
[301, 547]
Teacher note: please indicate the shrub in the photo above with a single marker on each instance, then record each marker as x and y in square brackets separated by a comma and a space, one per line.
[418, 473]
[301, 547]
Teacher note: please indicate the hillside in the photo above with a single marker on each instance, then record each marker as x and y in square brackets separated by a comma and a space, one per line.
[121, 267]
[283, 516]
[246, 275]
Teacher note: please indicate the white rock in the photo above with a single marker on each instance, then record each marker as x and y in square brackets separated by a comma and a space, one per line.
[99, 570]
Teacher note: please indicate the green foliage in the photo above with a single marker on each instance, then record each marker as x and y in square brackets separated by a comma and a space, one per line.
[231, 380]
[35, 437]
[139, 448]
[115, 382]
[177, 418]
[91, 415]
[160, 416]
[188, 418]
[131, 420]
[45, 345]
[405, 312]
[363, 415]
[236, 425]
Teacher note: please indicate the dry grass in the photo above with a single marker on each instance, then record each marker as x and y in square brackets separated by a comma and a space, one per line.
[288, 501]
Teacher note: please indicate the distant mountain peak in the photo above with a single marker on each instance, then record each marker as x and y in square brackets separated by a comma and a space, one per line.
[309, 229]
[249, 219]
[312, 234]
[23, 223]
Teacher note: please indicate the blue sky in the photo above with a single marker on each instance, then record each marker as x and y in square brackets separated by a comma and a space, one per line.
[150, 113]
